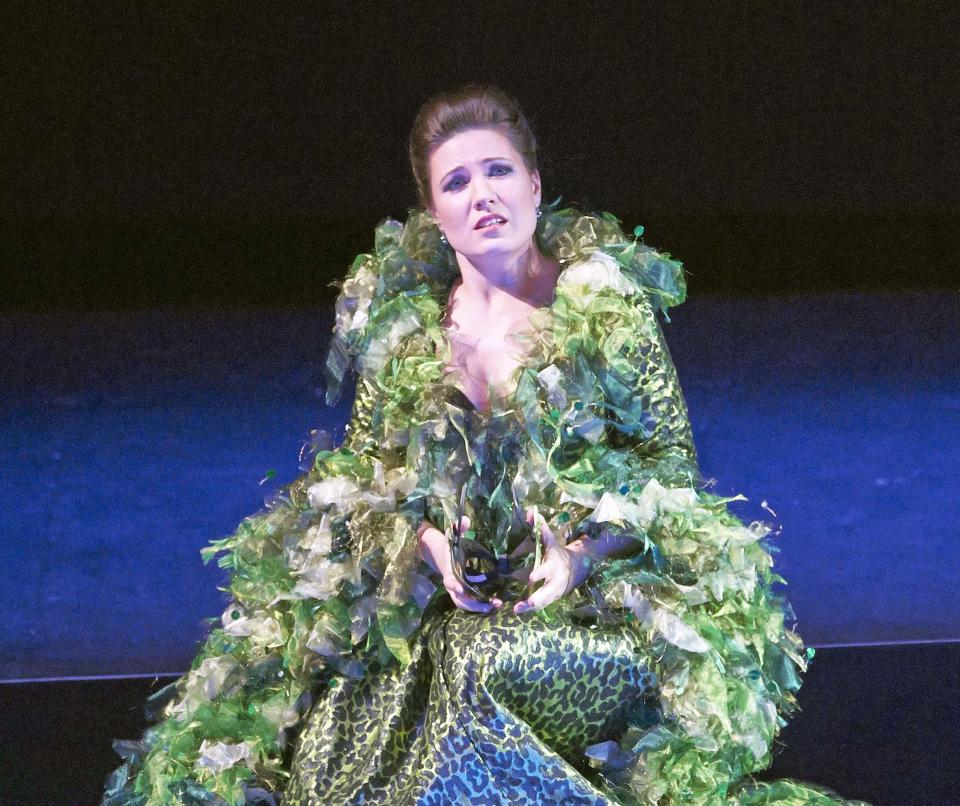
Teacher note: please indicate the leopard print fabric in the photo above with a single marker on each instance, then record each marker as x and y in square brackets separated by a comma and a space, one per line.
[669, 449]
[493, 710]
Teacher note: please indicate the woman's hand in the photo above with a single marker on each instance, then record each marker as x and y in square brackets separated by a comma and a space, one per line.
[561, 569]
[435, 550]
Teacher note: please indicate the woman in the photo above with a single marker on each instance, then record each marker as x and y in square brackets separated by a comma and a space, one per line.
[505, 585]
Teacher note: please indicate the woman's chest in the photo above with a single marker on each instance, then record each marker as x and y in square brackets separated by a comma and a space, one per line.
[485, 355]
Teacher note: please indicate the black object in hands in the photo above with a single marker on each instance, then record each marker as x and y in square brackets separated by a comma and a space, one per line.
[479, 570]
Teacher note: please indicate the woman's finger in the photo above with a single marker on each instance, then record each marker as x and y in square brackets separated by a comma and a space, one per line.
[471, 605]
[466, 603]
[540, 598]
[546, 533]
[460, 598]
[543, 571]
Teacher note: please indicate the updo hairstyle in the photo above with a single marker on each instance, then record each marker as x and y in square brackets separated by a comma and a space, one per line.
[475, 106]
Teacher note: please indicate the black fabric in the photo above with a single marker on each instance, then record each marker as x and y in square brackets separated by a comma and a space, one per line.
[458, 398]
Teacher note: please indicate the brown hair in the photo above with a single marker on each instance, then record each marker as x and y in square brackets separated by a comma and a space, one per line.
[475, 106]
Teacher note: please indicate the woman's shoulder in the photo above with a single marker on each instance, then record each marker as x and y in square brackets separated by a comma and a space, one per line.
[386, 294]
[599, 256]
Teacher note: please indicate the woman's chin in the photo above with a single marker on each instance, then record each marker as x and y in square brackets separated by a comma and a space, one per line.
[492, 245]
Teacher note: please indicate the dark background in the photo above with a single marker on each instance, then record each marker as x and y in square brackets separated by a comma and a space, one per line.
[218, 154]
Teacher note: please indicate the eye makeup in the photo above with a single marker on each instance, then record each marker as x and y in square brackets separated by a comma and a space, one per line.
[495, 169]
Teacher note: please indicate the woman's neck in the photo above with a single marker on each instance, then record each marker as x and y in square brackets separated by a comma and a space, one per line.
[527, 276]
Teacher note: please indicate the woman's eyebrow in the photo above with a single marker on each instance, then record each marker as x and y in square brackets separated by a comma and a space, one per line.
[484, 161]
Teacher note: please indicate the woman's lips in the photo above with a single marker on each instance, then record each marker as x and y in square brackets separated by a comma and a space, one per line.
[497, 219]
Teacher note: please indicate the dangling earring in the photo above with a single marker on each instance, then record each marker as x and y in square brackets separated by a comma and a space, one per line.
[443, 238]
[539, 212]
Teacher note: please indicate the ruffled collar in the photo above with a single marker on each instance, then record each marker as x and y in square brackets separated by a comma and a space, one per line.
[392, 301]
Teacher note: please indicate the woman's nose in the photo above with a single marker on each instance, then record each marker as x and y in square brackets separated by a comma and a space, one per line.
[482, 193]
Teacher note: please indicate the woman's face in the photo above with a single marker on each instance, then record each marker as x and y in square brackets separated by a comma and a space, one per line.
[475, 176]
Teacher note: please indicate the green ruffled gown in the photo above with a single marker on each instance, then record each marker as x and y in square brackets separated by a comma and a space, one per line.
[343, 674]
[491, 707]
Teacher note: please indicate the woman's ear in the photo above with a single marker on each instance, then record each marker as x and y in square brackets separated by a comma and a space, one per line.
[535, 177]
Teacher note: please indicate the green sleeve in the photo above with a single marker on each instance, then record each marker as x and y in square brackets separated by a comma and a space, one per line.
[359, 433]
[669, 449]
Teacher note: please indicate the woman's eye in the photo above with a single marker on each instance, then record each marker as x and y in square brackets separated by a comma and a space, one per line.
[495, 170]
